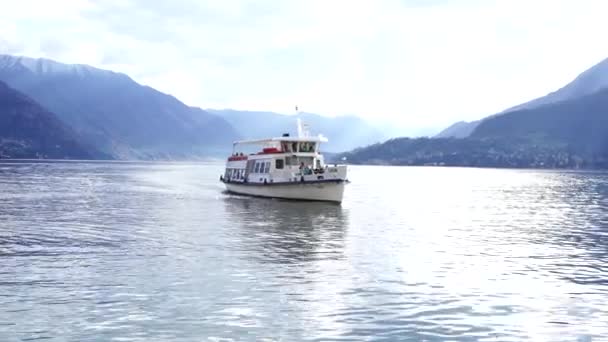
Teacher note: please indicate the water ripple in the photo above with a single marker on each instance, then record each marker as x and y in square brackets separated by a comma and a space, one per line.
[156, 251]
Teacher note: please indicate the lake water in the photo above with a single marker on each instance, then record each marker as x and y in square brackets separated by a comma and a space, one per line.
[157, 252]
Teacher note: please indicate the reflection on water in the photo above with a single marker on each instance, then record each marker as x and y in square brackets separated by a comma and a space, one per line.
[288, 232]
[156, 252]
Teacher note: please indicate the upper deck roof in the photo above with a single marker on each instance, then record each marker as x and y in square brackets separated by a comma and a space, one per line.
[317, 139]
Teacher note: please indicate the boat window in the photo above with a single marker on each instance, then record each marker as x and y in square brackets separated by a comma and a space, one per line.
[294, 147]
[279, 163]
[257, 168]
[310, 146]
[307, 146]
[267, 168]
[308, 161]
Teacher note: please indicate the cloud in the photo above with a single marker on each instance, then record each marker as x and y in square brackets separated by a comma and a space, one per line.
[416, 63]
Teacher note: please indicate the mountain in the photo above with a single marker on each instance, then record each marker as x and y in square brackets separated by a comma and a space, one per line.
[488, 152]
[115, 114]
[566, 134]
[588, 82]
[27, 130]
[344, 132]
[581, 123]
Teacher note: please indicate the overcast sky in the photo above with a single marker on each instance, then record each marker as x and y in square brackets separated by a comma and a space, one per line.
[418, 64]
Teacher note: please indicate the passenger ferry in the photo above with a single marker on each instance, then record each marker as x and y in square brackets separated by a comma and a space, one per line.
[285, 167]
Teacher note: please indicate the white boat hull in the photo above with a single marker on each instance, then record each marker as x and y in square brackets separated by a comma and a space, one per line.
[311, 191]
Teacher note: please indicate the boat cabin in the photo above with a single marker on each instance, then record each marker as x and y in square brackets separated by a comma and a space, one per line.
[279, 160]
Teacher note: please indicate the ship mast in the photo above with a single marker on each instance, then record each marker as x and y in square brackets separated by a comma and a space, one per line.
[302, 127]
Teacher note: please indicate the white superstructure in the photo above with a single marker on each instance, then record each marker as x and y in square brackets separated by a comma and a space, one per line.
[285, 167]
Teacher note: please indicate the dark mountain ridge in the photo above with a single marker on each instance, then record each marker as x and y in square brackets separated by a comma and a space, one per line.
[117, 115]
[567, 133]
[588, 82]
[582, 123]
[27, 130]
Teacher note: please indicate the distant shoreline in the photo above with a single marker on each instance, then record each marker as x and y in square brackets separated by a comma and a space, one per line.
[487, 167]
[218, 161]
[104, 161]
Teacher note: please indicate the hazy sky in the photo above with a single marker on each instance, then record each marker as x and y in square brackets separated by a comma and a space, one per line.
[419, 64]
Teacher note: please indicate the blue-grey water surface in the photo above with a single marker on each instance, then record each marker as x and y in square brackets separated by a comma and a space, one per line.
[157, 252]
